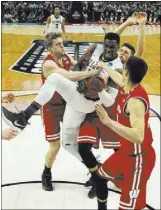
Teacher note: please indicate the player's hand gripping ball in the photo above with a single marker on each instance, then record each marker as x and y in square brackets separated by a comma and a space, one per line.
[90, 87]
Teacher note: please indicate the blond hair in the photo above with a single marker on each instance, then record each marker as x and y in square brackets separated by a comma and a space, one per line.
[49, 39]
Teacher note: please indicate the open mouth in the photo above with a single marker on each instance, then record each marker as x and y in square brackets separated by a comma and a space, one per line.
[121, 57]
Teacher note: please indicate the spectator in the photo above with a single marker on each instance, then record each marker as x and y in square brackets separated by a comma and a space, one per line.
[37, 12]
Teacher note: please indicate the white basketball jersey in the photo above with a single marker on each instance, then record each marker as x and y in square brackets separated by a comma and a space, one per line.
[56, 24]
[115, 64]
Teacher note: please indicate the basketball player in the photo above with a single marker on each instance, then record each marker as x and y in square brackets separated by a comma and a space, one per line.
[55, 22]
[93, 129]
[8, 133]
[56, 79]
[131, 166]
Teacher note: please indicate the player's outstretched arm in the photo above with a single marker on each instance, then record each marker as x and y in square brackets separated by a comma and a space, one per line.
[141, 20]
[136, 109]
[115, 75]
[131, 20]
[50, 67]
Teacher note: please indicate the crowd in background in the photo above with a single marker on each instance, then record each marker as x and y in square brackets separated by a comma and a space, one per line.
[103, 11]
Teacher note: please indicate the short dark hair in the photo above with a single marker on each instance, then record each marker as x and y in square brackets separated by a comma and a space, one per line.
[56, 7]
[112, 36]
[137, 69]
[129, 46]
[49, 39]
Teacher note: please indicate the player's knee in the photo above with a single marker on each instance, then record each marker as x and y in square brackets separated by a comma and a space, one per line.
[84, 148]
[53, 78]
[68, 145]
[97, 179]
[65, 142]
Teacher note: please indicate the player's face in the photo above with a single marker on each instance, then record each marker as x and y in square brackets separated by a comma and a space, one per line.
[58, 46]
[124, 54]
[110, 49]
[57, 12]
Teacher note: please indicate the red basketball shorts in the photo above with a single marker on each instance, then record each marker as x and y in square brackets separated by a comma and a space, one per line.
[52, 115]
[93, 130]
[130, 173]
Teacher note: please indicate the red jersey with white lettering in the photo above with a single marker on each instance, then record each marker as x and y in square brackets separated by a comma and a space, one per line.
[123, 118]
[57, 98]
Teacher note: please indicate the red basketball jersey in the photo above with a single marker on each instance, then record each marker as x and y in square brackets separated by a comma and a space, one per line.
[123, 118]
[57, 98]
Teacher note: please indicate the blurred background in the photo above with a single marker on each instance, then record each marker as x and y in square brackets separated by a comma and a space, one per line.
[78, 12]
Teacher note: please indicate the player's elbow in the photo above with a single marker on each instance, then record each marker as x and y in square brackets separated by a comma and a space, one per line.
[139, 139]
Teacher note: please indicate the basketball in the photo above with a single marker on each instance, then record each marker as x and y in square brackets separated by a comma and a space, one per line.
[80, 82]
[92, 84]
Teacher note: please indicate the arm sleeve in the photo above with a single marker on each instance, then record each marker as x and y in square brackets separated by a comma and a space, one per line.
[108, 97]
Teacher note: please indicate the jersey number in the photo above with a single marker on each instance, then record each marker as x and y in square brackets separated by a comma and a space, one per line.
[56, 25]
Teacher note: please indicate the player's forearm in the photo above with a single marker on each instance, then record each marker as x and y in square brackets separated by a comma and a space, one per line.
[115, 76]
[77, 76]
[131, 134]
[140, 41]
[107, 98]
[121, 28]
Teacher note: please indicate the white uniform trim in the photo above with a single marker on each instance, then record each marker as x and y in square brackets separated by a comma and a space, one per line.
[104, 174]
[89, 137]
[135, 186]
[53, 135]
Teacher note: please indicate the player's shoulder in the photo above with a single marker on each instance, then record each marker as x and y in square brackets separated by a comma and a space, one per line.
[139, 96]
[49, 63]
[140, 91]
[61, 17]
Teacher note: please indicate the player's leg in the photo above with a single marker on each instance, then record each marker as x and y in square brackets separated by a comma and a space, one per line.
[50, 157]
[88, 136]
[54, 82]
[70, 128]
[109, 138]
[111, 170]
[51, 115]
[136, 174]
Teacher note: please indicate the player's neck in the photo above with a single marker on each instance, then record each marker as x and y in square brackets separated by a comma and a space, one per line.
[107, 60]
[129, 86]
[56, 58]
[56, 16]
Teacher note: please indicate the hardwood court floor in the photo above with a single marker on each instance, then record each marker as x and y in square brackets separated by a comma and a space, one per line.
[14, 46]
